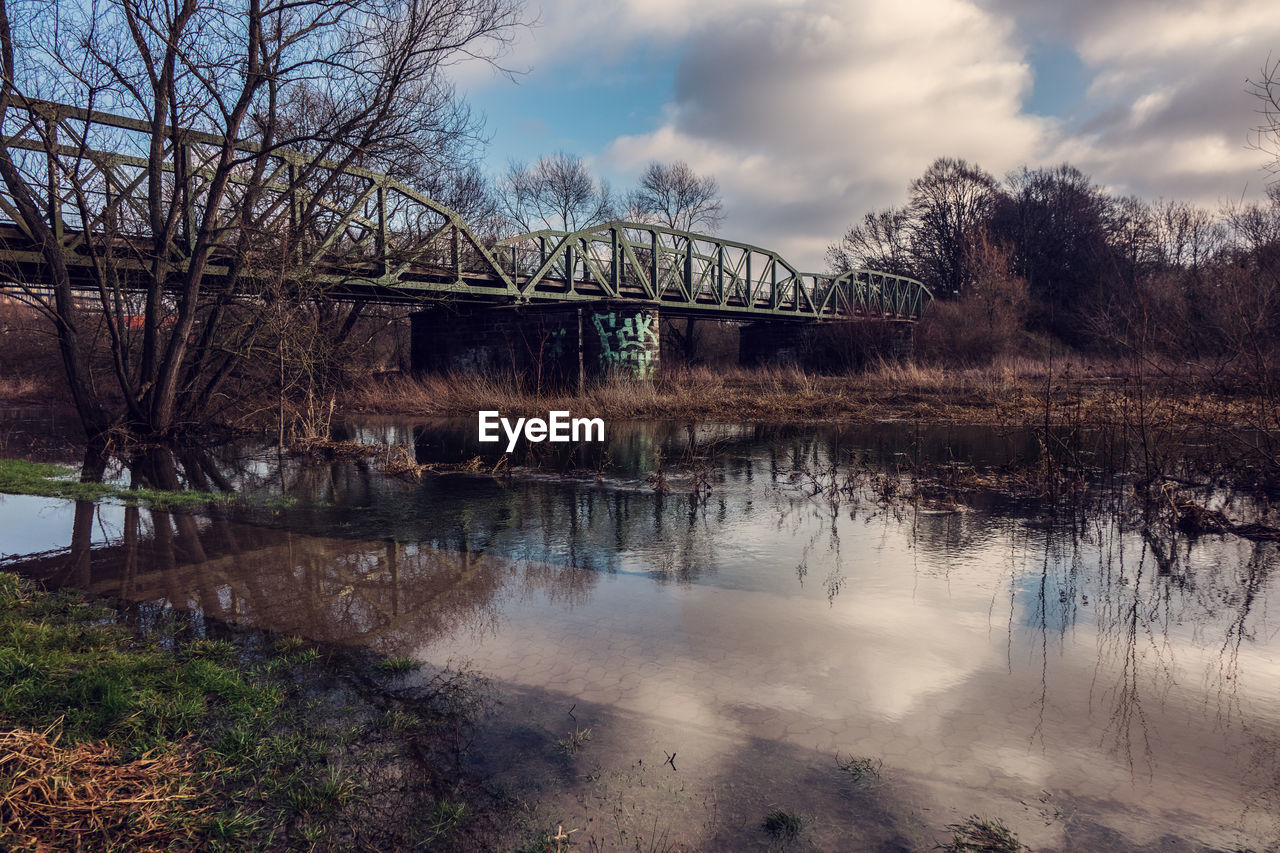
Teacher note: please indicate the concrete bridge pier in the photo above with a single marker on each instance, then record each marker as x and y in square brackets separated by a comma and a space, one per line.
[836, 345]
[772, 343]
[557, 343]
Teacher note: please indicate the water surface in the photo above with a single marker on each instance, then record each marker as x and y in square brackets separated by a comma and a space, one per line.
[724, 633]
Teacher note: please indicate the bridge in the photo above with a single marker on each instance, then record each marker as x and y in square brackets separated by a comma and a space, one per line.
[352, 233]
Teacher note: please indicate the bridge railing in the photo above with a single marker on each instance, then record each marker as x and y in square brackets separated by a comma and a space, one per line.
[284, 214]
[697, 272]
[298, 218]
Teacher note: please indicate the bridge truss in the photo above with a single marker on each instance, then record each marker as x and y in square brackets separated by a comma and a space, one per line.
[698, 274]
[354, 233]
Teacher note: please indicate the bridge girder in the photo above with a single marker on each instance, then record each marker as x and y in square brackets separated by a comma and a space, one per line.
[338, 226]
[686, 272]
[350, 231]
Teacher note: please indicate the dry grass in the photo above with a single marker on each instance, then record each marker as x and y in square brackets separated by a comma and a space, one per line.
[30, 366]
[330, 450]
[399, 462]
[51, 796]
[1152, 415]
[24, 389]
[1009, 390]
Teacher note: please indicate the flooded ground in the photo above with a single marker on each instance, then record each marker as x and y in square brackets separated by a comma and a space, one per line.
[684, 635]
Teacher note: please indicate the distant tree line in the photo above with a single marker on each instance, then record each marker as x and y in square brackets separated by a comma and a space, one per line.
[1047, 252]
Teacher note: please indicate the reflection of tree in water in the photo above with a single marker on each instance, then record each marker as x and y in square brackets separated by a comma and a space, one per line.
[411, 561]
[396, 564]
[1159, 604]
[387, 595]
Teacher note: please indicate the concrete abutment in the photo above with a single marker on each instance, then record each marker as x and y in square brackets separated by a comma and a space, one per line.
[550, 344]
[559, 344]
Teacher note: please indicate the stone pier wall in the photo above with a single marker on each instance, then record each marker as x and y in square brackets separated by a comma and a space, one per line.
[539, 343]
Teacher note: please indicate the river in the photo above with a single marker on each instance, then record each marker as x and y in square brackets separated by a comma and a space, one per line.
[686, 628]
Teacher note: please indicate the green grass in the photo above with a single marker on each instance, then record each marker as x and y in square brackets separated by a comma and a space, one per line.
[21, 477]
[267, 749]
[398, 665]
[61, 662]
[447, 817]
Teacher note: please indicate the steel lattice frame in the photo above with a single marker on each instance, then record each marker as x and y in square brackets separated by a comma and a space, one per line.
[358, 232]
[696, 273]
[348, 229]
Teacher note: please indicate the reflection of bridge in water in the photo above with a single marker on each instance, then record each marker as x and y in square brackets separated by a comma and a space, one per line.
[358, 234]
[1107, 667]
[392, 564]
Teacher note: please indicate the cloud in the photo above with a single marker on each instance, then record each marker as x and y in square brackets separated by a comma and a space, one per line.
[810, 113]
[595, 34]
[813, 112]
[1167, 112]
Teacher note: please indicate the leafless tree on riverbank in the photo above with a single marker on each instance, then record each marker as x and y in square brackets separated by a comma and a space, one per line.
[673, 195]
[1267, 90]
[558, 192]
[344, 82]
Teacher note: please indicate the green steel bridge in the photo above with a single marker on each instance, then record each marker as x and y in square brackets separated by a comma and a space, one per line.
[356, 233]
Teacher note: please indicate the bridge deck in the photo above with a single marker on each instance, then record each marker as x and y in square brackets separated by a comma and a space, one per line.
[354, 233]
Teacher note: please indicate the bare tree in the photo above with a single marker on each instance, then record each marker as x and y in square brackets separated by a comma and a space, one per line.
[1058, 223]
[468, 191]
[556, 192]
[1185, 236]
[948, 204]
[882, 241]
[929, 237]
[986, 321]
[672, 194]
[219, 92]
[1267, 133]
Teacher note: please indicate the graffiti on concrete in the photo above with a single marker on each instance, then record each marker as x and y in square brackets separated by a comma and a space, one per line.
[628, 344]
[556, 341]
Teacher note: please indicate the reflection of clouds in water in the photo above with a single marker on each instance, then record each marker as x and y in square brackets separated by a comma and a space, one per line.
[958, 647]
[34, 524]
[968, 678]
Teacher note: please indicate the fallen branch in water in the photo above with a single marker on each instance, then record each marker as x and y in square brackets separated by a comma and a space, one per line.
[1195, 520]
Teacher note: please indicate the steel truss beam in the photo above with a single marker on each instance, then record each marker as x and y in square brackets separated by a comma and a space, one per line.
[697, 274]
[349, 230]
[334, 226]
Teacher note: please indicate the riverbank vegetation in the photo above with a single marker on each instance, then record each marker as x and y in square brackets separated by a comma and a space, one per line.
[22, 477]
[143, 729]
[128, 727]
[1155, 416]
[1008, 391]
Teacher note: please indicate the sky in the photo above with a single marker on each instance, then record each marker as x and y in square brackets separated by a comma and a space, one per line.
[811, 113]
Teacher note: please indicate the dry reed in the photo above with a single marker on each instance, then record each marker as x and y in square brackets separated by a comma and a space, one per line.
[1009, 390]
[82, 798]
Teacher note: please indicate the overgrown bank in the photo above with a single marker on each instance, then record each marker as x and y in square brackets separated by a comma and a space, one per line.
[1153, 423]
[146, 730]
[1013, 391]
